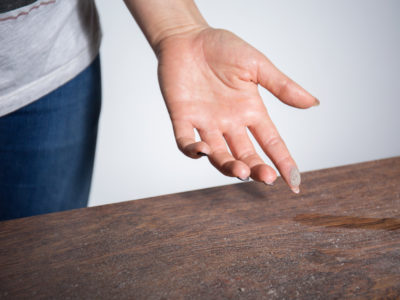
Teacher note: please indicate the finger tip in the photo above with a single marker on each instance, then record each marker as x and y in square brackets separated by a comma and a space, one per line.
[294, 176]
[295, 189]
[264, 173]
[293, 179]
[309, 102]
[241, 171]
[189, 153]
[270, 179]
[316, 102]
[244, 179]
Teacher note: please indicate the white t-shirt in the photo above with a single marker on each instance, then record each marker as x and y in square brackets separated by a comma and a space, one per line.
[43, 44]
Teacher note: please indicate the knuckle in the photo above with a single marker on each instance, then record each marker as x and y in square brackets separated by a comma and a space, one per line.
[272, 141]
[283, 87]
[284, 158]
[218, 153]
[246, 155]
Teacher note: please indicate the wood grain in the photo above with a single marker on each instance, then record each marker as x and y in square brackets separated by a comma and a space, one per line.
[339, 238]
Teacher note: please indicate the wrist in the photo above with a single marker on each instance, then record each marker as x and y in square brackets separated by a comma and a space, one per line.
[176, 31]
[160, 19]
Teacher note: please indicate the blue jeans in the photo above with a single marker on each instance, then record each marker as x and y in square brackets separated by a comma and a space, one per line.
[47, 149]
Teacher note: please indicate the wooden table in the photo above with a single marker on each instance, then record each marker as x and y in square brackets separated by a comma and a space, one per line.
[339, 238]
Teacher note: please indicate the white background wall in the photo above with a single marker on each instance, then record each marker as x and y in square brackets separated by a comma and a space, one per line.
[344, 52]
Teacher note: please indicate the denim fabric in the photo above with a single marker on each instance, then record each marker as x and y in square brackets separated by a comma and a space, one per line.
[47, 149]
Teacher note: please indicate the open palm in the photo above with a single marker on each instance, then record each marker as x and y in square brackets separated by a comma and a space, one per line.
[209, 81]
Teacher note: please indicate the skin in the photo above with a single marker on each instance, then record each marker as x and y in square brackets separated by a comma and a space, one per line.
[209, 78]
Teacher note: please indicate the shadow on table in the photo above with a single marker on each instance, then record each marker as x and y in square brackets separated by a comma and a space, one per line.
[348, 222]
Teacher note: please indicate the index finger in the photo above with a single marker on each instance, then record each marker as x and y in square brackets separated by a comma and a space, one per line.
[272, 144]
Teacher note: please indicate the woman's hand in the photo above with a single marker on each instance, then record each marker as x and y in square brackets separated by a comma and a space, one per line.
[209, 80]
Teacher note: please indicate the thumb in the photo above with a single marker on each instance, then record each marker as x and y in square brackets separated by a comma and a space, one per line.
[282, 87]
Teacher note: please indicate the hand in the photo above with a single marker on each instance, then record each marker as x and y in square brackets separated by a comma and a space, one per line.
[209, 79]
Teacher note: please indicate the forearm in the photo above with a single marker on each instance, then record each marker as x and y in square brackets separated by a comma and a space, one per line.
[159, 19]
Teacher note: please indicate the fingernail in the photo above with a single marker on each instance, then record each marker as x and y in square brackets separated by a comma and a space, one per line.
[295, 179]
[316, 102]
[243, 179]
[296, 190]
[201, 153]
[268, 183]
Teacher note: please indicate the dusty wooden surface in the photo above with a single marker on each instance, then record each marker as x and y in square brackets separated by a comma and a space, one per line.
[339, 238]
